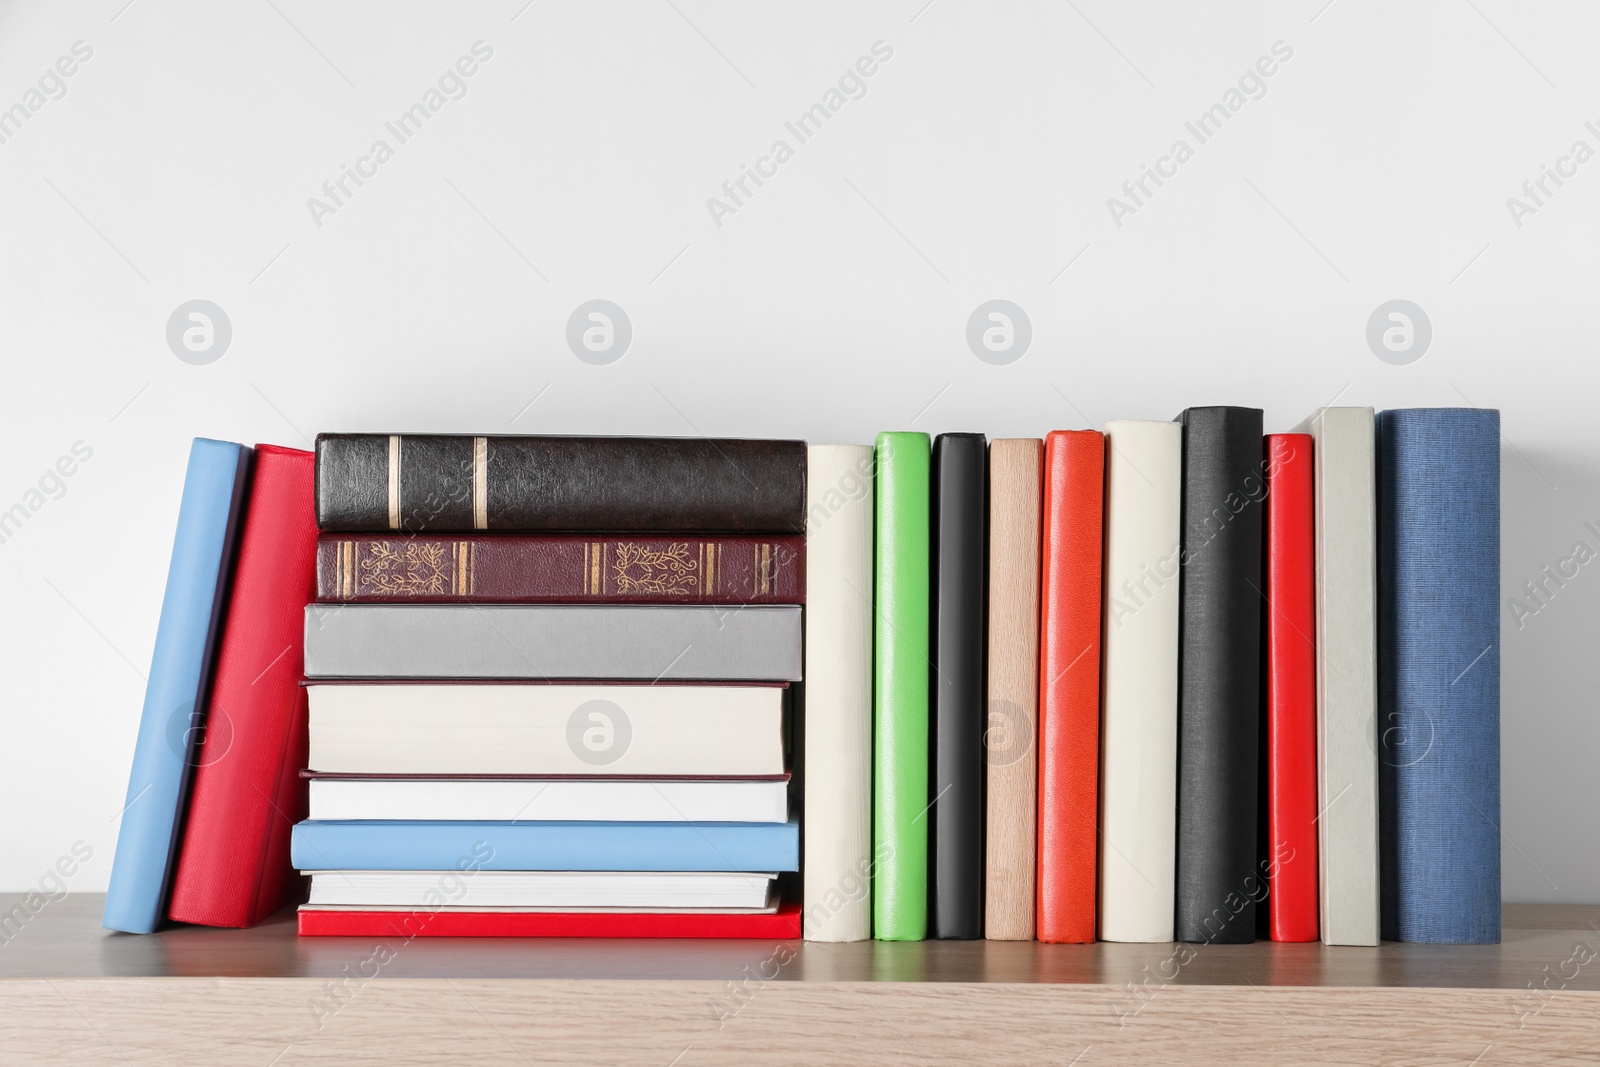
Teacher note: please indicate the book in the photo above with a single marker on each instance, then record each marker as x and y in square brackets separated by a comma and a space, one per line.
[1011, 683]
[1069, 684]
[1219, 682]
[557, 569]
[900, 689]
[233, 868]
[435, 483]
[547, 729]
[546, 799]
[837, 749]
[1438, 492]
[1290, 692]
[549, 641]
[1139, 732]
[545, 846]
[214, 488]
[404, 925]
[554, 890]
[959, 498]
[1347, 674]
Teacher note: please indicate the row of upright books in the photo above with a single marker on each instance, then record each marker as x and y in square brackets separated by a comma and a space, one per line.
[1170, 681]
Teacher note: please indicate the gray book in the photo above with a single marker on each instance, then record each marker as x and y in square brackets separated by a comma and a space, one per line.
[1347, 681]
[538, 641]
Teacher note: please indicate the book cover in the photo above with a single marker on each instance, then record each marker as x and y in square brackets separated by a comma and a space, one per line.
[1069, 684]
[233, 868]
[214, 488]
[435, 483]
[1439, 674]
[901, 709]
[1012, 688]
[547, 799]
[784, 924]
[959, 498]
[837, 746]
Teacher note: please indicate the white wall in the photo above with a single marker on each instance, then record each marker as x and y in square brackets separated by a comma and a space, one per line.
[831, 305]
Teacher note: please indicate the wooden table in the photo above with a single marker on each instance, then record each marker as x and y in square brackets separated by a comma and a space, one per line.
[71, 992]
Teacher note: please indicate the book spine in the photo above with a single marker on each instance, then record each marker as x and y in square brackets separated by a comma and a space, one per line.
[1438, 491]
[1347, 678]
[233, 869]
[1291, 691]
[1219, 711]
[900, 689]
[425, 483]
[838, 694]
[1012, 680]
[960, 467]
[784, 924]
[214, 488]
[689, 642]
[1069, 684]
[1139, 750]
[560, 569]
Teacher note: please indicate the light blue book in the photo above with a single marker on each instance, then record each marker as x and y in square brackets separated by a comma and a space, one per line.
[383, 845]
[180, 674]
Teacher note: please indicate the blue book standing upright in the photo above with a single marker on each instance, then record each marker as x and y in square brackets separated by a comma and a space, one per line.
[174, 697]
[1438, 495]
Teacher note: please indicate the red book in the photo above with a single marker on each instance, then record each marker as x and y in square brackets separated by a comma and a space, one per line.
[782, 925]
[233, 866]
[1069, 684]
[556, 569]
[1291, 691]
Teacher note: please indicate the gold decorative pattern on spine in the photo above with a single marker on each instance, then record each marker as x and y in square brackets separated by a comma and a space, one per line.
[480, 483]
[347, 563]
[713, 558]
[639, 570]
[394, 481]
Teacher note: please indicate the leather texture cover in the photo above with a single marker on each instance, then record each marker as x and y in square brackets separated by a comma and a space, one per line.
[546, 846]
[1439, 673]
[1291, 691]
[901, 709]
[557, 569]
[214, 488]
[1219, 681]
[1069, 684]
[784, 924]
[838, 694]
[1139, 728]
[1347, 674]
[431, 483]
[233, 869]
[550, 641]
[1012, 681]
[960, 470]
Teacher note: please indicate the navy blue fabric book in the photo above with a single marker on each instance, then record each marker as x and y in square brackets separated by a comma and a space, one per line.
[174, 697]
[1438, 495]
[382, 845]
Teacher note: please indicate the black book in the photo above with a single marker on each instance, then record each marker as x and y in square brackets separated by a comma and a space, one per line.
[433, 483]
[960, 469]
[1219, 684]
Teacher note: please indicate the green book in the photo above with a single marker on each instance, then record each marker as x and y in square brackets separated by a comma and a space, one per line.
[900, 690]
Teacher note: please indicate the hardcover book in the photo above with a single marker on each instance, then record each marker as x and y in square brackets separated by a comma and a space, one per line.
[550, 799]
[406, 924]
[214, 489]
[433, 483]
[1439, 673]
[556, 569]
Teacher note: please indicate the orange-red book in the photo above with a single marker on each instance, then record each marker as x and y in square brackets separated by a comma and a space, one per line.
[1069, 684]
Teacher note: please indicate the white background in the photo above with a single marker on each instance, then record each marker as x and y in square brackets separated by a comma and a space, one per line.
[831, 305]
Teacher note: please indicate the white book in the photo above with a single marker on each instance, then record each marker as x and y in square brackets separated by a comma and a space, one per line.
[838, 694]
[1139, 709]
[564, 890]
[582, 730]
[551, 800]
[1347, 662]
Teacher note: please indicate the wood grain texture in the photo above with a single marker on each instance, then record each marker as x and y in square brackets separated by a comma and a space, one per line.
[1015, 470]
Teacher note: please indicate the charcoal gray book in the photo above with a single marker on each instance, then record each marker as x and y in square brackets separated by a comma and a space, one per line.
[550, 641]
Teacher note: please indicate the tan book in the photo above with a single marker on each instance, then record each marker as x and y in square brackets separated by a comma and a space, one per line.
[1015, 472]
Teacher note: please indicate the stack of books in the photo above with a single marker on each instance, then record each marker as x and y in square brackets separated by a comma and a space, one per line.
[548, 684]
